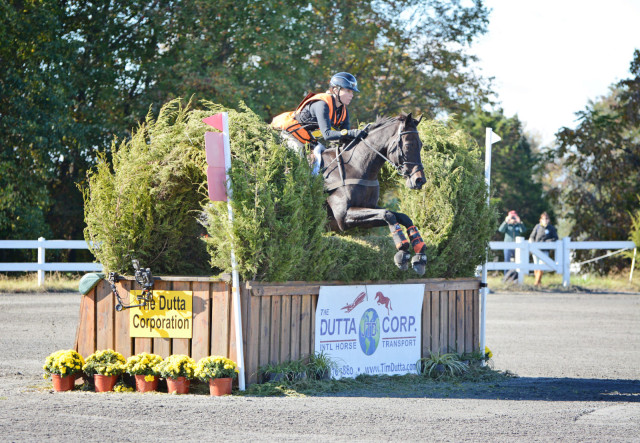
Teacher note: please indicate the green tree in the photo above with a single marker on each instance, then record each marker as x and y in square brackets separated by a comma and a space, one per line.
[75, 75]
[515, 165]
[408, 56]
[601, 160]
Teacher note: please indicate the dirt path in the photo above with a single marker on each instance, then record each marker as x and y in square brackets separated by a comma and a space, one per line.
[578, 356]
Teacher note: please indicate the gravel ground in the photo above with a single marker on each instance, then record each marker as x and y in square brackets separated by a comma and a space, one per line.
[577, 356]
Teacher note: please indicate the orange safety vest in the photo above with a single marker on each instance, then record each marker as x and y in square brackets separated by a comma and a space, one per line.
[287, 120]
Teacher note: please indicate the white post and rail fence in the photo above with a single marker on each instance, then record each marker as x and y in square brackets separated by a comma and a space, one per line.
[560, 262]
[529, 256]
[41, 266]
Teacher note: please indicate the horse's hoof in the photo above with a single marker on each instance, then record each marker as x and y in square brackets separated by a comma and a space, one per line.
[401, 260]
[419, 263]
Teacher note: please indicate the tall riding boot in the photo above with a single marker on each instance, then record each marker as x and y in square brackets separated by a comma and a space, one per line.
[538, 275]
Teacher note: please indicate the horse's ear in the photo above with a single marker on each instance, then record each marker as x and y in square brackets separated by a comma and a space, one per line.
[407, 119]
[419, 120]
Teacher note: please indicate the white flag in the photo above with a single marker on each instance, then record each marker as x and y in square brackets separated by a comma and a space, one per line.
[494, 137]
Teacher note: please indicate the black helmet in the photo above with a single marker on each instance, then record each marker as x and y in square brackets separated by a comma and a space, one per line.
[344, 80]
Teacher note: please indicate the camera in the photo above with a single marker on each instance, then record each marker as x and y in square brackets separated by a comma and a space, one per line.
[143, 276]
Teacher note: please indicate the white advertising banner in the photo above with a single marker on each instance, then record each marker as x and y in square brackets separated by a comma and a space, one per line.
[370, 329]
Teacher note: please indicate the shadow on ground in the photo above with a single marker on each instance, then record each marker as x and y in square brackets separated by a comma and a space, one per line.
[520, 388]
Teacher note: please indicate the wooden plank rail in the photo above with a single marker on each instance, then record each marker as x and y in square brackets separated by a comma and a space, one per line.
[278, 319]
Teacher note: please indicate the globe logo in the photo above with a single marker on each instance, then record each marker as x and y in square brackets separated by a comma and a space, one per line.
[369, 333]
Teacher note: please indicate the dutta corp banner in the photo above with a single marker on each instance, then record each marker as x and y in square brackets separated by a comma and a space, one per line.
[168, 315]
[370, 329]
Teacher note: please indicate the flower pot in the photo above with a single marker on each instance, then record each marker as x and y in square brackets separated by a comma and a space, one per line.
[65, 383]
[104, 383]
[146, 386]
[220, 386]
[178, 385]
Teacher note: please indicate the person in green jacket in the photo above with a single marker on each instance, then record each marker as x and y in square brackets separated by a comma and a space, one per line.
[511, 227]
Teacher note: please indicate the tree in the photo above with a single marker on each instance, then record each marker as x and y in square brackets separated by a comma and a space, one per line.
[601, 159]
[77, 74]
[514, 165]
[270, 53]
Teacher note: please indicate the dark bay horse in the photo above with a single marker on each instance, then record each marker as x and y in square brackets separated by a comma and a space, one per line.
[351, 179]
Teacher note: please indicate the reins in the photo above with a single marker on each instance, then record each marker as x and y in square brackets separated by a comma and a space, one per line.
[398, 168]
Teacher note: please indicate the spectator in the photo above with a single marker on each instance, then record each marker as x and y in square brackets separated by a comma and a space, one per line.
[511, 227]
[542, 232]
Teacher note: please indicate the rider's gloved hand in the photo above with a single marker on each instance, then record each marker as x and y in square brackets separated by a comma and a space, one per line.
[354, 133]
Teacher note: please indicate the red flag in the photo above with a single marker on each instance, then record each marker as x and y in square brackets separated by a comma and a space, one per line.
[215, 121]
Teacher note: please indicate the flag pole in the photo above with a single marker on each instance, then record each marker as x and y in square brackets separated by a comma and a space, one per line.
[484, 288]
[218, 152]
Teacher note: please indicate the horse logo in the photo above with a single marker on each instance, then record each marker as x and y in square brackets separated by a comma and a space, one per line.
[359, 299]
[382, 300]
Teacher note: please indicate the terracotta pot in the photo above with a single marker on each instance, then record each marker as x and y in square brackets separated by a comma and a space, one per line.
[104, 383]
[220, 386]
[178, 385]
[146, 386]
[65, 383]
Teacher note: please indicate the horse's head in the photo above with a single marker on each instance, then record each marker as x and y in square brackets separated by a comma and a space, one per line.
[405, 154]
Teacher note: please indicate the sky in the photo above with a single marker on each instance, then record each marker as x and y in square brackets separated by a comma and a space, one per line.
[550, 57]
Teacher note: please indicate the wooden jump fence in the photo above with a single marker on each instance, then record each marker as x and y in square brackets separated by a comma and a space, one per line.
[278, 320]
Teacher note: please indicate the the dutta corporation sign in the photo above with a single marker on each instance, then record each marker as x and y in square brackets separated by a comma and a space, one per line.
[370, 329]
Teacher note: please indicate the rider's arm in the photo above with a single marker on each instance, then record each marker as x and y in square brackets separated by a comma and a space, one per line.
[320, 110]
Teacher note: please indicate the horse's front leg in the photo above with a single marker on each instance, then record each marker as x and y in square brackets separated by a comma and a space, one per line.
[419, 261]
[373, 217]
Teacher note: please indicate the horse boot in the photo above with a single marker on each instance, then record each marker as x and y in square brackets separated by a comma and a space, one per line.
[419, 261]
[401, 259]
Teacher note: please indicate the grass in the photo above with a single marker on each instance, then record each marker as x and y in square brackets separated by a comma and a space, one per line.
[552, 282]
[53, 282]
[474, 378]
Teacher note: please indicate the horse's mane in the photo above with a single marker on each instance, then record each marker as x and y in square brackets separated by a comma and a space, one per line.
[384, 121]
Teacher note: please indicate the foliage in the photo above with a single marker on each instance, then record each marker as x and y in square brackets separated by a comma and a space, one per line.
[634, 233]
[438, 364]
[143, 364]
[147, 205]
[69, 82]
[450, 211]
[320, 366]
[106, 362]
[290, 370]
[77, 74]
[277, 205]
[122, 386]
[177, 365]
[515, 166]
[216, 366]
[601, 162]
[63, 363]
[249, 48]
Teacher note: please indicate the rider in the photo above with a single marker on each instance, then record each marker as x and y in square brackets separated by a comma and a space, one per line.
[320, 115]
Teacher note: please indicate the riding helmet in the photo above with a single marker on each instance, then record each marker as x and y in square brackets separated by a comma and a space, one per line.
[345, 80]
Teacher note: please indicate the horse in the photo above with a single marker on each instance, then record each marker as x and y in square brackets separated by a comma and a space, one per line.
[351, 180]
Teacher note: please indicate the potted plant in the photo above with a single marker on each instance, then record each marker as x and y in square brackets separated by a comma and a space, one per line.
[105, 367]
[178, 370]
[143, 367]
[219, 372]
[63, 367]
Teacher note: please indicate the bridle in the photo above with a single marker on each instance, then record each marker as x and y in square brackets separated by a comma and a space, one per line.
[403, 167]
